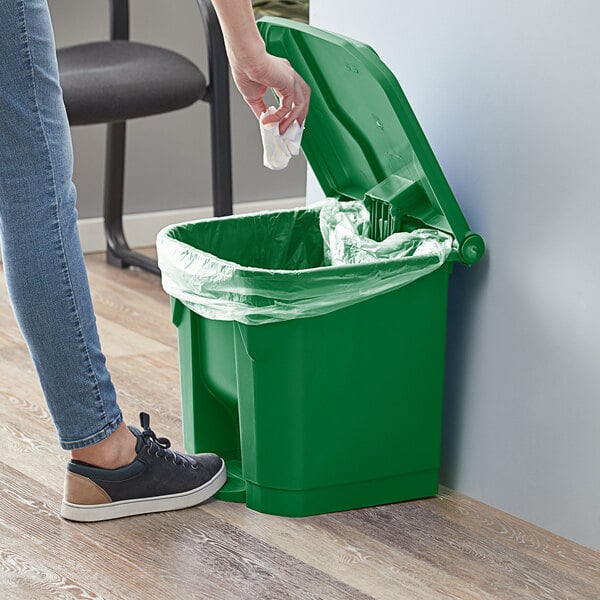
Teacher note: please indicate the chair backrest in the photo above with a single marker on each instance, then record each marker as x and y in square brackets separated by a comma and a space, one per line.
[217, 58]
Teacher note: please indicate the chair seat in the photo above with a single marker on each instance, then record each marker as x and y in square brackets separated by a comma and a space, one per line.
[113, 81]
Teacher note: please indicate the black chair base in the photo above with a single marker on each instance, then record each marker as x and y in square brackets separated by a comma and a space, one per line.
[124, 258]
[118, 252]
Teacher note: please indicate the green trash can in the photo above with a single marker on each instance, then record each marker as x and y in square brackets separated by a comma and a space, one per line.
[322, 386]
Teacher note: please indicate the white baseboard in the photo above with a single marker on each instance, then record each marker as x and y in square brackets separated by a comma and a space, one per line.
[141, 228]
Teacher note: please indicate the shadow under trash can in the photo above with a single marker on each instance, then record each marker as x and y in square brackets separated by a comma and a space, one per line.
[312, 341]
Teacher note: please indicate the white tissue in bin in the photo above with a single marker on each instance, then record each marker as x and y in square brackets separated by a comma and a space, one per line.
[279, 149]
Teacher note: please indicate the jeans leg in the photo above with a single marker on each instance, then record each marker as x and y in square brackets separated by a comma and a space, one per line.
[43, 261]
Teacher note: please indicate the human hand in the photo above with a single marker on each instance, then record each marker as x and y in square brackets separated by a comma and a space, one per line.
[253, 78]
[254, 70]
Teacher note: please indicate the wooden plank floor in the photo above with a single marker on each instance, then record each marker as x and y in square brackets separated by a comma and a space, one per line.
[447, 547]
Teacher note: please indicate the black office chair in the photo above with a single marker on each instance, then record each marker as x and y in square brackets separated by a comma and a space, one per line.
[116, 80]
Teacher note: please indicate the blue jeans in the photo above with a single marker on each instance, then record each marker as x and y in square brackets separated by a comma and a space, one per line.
[43, 261]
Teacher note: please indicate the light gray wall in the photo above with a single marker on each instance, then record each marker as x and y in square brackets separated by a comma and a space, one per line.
[168, 157]
[508, 94]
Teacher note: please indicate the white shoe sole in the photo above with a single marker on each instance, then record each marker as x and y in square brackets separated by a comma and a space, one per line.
[139, 506]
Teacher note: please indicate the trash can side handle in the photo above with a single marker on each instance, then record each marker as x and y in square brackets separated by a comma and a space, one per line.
[176, 311]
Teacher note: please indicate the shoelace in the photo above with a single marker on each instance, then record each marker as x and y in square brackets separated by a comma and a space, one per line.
[160, 445]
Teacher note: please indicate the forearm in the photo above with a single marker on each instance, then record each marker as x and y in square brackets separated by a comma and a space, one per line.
[243, 42]
[254, 70]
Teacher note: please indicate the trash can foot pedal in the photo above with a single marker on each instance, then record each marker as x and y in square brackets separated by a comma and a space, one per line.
[235, 488]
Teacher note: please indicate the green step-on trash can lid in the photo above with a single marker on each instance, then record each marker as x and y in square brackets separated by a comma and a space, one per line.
[362, 138]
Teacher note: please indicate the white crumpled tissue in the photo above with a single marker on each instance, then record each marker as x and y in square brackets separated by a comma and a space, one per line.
[278, 149]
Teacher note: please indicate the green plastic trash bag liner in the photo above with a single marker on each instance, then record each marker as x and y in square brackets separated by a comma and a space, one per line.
[270, 267]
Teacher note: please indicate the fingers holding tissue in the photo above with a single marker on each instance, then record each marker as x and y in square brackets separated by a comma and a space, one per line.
[278, 148]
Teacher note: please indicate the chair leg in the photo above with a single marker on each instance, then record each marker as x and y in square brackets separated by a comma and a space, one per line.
[118, 252]
[113, 194]
[221, 150]
[218, 97]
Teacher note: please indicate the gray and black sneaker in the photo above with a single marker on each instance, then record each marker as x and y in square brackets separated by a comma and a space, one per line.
[158, 479]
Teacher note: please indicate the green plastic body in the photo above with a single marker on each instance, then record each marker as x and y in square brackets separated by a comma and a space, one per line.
[342, 410]
[321, 414]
